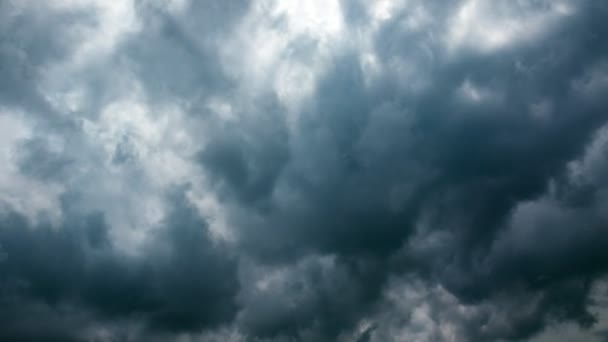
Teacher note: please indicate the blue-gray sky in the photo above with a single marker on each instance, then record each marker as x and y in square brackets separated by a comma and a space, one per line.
[322, 170]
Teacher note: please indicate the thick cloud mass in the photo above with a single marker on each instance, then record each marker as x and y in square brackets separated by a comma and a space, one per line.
[303, 171]
[181, 282]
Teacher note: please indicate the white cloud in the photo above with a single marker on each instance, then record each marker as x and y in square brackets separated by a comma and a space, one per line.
[487, 26]
[32, 198]
[287, 44]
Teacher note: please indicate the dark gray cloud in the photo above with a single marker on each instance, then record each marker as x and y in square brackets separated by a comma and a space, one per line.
[245, 159]
[315, 299]
[415, 171]
[181, 281]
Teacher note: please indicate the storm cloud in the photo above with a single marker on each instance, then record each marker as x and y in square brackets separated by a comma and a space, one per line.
[303, 171]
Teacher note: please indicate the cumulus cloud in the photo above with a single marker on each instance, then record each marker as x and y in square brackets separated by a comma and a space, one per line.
[320, 171]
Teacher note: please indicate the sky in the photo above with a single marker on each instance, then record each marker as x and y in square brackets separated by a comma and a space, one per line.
[319, 170]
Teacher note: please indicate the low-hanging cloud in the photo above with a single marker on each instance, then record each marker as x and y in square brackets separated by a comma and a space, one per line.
[280, 171]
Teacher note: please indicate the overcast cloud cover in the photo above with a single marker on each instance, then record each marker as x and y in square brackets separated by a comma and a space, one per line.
[320, 170]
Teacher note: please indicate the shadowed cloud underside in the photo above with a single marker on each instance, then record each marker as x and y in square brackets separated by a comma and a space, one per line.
[269, 170]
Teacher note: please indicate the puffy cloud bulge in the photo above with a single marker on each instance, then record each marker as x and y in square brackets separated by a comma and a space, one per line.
[265, 170]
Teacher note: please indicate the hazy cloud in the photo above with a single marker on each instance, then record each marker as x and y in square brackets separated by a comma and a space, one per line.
[319, 171]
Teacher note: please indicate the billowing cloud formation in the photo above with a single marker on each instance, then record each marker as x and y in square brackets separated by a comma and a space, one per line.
[315, 171]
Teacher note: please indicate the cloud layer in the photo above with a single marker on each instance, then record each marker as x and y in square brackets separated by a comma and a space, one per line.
[318, 171]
